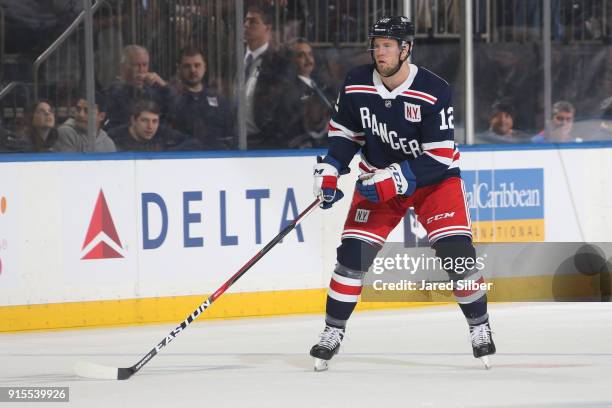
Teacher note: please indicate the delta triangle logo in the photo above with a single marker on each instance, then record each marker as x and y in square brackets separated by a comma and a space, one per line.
[102, 240]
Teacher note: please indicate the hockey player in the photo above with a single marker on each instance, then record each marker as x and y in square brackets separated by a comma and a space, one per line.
[399, 116]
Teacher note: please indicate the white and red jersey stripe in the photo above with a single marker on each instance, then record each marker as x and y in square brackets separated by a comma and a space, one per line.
[448, 231]
[410, 93]
[422, 96]
[456, 157]
[364, 166]
[344, 289]
[337, 130]
[363, 235]
[465, 228]
[369, 89]
[470, 292]
[445, 152]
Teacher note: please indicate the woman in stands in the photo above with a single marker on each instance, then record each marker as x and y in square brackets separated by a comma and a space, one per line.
[39, 132]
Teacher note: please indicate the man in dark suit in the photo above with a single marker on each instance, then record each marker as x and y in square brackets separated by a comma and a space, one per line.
[269, 93]
[257, 34]
[315, 101]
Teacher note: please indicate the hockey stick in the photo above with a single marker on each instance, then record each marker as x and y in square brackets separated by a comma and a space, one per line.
[92, 370]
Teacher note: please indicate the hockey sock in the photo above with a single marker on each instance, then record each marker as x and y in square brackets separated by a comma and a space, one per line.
[472, 299]
[342, 298]
[476, 312]
[468, 291]
[354, 258]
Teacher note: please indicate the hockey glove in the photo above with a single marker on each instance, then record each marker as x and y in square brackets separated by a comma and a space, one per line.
[384, 184]
[326, 181]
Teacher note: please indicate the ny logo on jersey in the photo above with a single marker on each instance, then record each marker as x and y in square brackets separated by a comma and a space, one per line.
[412, 112]
[362, 215]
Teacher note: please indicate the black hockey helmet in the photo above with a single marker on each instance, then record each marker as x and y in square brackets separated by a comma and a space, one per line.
[397, 27]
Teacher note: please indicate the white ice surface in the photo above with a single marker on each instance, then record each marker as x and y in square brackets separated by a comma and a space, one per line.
[549, 355]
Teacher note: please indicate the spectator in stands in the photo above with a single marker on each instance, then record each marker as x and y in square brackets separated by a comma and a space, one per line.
[501, 126]
[39, 133]
[73, 135]
[144, 132]
[315, 101]
[267, 83]
[136, 82]
[197, 110]
[559, 129]
[605, 126]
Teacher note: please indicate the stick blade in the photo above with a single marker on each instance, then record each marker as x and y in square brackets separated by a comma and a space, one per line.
[96, 371]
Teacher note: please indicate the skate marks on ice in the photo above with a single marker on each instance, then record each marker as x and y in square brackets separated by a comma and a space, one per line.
[68, 376]
[39, 379]
[274, 363]
[174, 370]
[462, 362]
[167, 365]
[292, 362]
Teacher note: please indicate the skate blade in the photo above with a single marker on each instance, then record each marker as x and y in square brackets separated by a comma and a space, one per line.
[487, 363]
[320, 365]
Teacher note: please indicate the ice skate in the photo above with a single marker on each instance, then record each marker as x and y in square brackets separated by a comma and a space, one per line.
[482, 343]
[327, 347]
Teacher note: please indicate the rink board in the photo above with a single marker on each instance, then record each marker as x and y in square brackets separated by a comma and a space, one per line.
[124, 238]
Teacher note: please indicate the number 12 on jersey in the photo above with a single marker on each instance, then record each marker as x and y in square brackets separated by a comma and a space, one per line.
[447, 119]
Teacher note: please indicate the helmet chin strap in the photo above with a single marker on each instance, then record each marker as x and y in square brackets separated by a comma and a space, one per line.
[400, 62]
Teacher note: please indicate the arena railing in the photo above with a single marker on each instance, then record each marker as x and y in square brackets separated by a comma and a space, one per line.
[164, 28]
[59, 71]
[14, 97]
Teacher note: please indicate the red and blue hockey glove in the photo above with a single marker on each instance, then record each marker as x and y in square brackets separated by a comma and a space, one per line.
[326, 173]
[384, 184]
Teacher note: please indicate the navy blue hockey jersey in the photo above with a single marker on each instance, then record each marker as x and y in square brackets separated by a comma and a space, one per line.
[414, 122]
